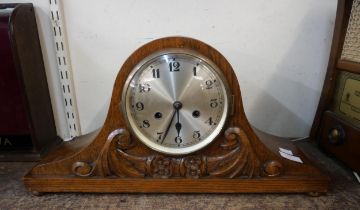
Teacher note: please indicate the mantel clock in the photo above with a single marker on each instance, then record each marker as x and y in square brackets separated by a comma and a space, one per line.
[176, 124]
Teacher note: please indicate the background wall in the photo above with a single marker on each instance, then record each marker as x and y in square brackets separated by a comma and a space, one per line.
[278, 48]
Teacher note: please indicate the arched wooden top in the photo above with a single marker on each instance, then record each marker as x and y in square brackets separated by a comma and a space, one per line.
[166, 43]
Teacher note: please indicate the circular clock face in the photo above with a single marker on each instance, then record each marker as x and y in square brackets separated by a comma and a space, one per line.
[176, 101]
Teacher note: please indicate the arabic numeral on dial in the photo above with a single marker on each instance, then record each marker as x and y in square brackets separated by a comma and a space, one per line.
[143, 88]
[210, 83]
[213, 103]
[194, 71]
[196, 135]
[156, 73]
[174, 66]
[160, 136]
[139, 106]
[178, 140]
[145, 124]
[210, 121]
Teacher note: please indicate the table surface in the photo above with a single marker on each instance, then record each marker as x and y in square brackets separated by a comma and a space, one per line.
[344, 193]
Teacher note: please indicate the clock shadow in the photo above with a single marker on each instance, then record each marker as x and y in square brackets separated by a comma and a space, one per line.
[285, 104]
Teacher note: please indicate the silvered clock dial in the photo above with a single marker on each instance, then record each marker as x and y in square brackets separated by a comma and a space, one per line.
[176, 101]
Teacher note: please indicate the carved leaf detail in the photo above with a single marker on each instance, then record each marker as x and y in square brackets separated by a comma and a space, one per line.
[241, 161]
[236, 158]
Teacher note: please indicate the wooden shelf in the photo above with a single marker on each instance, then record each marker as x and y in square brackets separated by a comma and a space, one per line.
[348, 66]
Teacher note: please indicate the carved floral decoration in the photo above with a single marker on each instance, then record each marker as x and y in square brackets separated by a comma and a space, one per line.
[161, 167]
[237, 159]
[193, 167]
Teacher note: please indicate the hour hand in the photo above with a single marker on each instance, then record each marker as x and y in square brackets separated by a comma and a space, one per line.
[178, 128]
[177, 106]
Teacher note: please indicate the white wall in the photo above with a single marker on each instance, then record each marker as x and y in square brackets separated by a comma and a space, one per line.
[278, 48]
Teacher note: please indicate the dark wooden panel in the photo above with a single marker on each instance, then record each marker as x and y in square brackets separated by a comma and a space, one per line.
[326, 120]
[26, 47]
[27, 70]
[341, 22]
[348, 150]
[349, 66]
[14, 127]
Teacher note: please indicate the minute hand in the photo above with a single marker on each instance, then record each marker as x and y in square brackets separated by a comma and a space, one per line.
[168, 128]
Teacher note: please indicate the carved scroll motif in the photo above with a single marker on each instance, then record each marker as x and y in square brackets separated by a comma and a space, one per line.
[101, 165]
[241, 159]
[236, 158]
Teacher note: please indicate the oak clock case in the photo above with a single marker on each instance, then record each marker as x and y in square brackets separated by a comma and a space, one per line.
[155, 139]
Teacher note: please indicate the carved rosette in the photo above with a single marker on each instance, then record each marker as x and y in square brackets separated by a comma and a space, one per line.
[160, 167]
[193, 166]
[236, 159]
